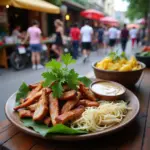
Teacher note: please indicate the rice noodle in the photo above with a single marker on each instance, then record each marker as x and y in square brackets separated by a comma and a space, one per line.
[102, 117]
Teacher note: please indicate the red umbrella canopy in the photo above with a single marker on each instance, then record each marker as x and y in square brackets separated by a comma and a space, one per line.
[109, 20]
[141, 21]
[129, 26]
[92, 14]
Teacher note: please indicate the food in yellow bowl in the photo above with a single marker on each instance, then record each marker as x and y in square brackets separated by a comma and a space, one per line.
[116, 62]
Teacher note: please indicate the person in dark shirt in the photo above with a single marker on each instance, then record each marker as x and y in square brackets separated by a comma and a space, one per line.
[124, 37]
[100, 34]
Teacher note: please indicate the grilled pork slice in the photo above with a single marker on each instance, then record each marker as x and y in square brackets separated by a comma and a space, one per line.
[87, 92]
[68, 95]
[53, 108]
[25, 114]
[70, 104]
[34, 91]
[47, 121]
[32, 99]
[88, 103]
[42, 108]
[65, 88]
[70, 115]
[33, 107]
[33, 86]
[21, 100]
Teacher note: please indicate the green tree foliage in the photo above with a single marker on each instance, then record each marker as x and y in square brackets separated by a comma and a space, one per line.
[55, 2]
[82, 2]
[137, 8]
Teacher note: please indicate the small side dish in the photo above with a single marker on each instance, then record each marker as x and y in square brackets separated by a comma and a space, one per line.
[107, 88]
[118, 62]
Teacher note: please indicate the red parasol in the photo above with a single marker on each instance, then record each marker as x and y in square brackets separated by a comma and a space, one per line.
[129, 26]
[109, 21]
[92, 14]
[141, 21]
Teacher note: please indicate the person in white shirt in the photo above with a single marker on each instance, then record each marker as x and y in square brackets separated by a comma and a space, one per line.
[113, 33]
[16, 33]
[86, 38]
[133, 36]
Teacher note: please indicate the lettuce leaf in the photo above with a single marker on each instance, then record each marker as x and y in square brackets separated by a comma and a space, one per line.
[22, 92]
[47, 131]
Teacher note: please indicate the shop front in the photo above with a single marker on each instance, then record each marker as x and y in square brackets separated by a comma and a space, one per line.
[73, 13]
[21, 13]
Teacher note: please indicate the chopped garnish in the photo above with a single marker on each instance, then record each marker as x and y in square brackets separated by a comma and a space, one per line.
[59, 74]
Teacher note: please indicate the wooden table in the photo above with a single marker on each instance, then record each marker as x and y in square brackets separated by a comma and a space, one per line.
[135, 136]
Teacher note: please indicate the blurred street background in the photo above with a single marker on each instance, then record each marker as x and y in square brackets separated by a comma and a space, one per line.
[10, 80]
[49, 28]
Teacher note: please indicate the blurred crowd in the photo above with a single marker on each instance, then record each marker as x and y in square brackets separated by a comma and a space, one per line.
[104, 37]
[82, 39]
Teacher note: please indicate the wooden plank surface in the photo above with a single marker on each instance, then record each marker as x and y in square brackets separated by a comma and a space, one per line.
[135, 136]
[20, 141]
[138, 130]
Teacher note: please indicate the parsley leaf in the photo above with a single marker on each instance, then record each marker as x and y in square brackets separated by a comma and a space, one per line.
[57, 89]
[72, 79]
[49, 78]
[67, 59]
[22, 93]
[86, 81]
[123, 55]
[54, 65]
[58, 74]
[116, 56]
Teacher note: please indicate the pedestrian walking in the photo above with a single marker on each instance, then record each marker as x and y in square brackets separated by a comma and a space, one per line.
[106, 38]
[138, 39]
[34, 35]
[57, 47]
[124, 37]
[75, 37]
[100, 35]
[86, 38]
[133, 36]
[112, 32]
[118, 36]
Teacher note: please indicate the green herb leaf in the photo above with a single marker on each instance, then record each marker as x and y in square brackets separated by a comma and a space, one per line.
[50, 77]
[57, 89]
[72, 79]
[116, 56]
[60, 75]
[67, 59]
[86, 81]
[46, 131]
[54, 65]
[22, 93]
[123, 55]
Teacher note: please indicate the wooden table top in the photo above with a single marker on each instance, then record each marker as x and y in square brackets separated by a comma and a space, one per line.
[135, 136]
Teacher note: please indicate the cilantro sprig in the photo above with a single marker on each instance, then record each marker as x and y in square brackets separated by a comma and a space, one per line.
[116, 55]
[58, 74]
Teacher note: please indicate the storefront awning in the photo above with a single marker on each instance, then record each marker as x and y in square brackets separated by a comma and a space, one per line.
[73, 5]
[36, 5]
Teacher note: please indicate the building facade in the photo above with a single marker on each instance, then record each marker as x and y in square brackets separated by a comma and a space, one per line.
[121, 17]
[109, 7]
[97, 4]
